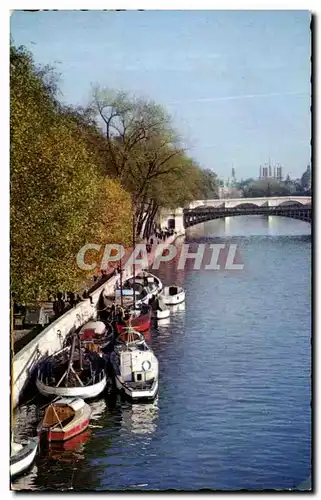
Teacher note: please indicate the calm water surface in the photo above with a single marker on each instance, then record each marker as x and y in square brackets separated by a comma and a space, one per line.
[233, 410]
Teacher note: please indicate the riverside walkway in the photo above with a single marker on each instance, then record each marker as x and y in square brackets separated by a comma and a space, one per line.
[25, 335]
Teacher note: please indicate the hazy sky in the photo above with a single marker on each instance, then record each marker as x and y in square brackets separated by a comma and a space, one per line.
[237, 83]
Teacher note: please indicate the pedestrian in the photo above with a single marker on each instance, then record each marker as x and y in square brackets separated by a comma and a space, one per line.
[72, 300]
[59, 305]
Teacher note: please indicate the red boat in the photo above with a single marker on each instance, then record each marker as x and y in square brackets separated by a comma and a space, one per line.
[94, 330]
[64, 419]
[139, 323]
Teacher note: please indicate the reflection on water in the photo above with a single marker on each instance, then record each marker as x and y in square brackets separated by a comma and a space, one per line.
[97, 409]
[245, 225]
[26, 481]
[140, 418]
[68, 451]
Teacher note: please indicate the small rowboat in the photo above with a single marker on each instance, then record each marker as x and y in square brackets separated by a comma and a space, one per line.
[22, 456]
[64, 419]
[161, 311]
[173, 295]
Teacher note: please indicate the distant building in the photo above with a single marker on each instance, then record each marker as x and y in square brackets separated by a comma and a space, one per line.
[279, 175]
[266, 172]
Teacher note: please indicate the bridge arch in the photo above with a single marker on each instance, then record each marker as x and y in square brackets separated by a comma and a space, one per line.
[289, 203]
[246, 205]
[293, 211]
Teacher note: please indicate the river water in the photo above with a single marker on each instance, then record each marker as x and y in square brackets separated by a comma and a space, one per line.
[233, 410]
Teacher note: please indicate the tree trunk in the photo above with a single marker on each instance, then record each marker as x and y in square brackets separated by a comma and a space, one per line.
[150, 220]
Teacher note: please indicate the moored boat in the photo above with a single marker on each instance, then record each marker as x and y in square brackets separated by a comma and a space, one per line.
[22, 456]
[163, 313]
[95, 336]
[173, 295]
[72, 372]
[139, 321]
[64, 419]
[135, 367]
[144, 287]
[160, 309]
[151, 282]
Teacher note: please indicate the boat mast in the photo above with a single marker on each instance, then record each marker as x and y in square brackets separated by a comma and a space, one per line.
[72, 351]
[134, 246]
[80, 352]
[121, 281]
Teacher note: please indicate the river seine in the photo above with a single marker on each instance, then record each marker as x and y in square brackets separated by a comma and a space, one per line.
[234, 404]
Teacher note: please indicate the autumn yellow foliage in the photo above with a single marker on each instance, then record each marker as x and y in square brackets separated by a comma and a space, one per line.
[60, 199]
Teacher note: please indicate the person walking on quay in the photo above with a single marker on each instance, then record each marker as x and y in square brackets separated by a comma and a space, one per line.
[71, 298]
[58, 305]
[86, 295]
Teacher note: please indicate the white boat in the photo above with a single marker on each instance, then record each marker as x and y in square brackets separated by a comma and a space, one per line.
[162, 314]
[135, 367]
[84, 392]
[152, 282]
[173, 295]
[72, 372]
[22, 456]
[161, 311]
[146, 285]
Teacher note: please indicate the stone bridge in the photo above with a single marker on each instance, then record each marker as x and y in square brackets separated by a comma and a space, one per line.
[259, 202]
[296, 207]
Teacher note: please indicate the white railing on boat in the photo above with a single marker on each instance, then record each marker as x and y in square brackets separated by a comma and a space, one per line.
[93, 380]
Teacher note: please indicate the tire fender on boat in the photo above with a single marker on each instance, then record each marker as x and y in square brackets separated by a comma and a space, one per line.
[146, 365]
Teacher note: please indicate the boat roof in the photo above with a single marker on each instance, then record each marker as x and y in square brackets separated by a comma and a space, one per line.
[98, 326]
[74, 403]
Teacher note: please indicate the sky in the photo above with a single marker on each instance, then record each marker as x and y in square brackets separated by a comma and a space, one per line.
[236, 83]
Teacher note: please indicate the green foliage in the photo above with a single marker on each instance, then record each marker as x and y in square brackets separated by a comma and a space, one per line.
[72, 183]
[263, 188]
[59, 193]
[306, 179]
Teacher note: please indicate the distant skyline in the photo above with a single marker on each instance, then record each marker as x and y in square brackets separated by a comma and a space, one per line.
[237, 83]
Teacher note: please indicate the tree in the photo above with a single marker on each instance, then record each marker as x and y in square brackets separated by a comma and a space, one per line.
[209, 184]
[306, 179]
[244, 184]
[267, 188]
[60, 196]
[140, 141]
